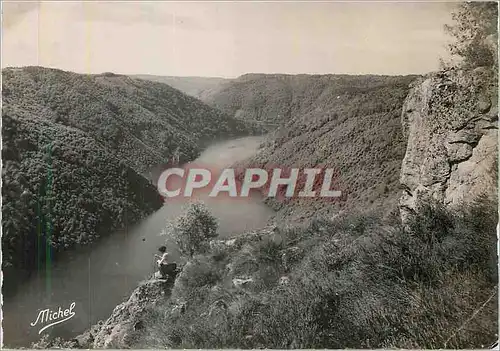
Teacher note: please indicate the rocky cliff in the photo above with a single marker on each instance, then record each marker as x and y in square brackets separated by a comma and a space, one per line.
[126, 321]
[132, 320]
[450, 121]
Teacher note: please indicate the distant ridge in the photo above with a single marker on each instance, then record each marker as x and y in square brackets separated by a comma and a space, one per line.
[198, 87]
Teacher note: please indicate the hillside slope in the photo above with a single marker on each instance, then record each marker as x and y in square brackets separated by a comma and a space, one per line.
[281, 97]
[61, 188]
[358, 281]
[76, 147]
[142, 121]
[198, 87]
[348, 123]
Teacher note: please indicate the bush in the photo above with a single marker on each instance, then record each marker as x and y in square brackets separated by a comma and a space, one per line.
[474, 24]
[193, 230]
[56, 343]
[197, 273]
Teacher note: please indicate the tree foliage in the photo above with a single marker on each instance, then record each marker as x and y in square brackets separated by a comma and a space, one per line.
[475, 34]
[193, 230]
[142, 122]
[61, 188]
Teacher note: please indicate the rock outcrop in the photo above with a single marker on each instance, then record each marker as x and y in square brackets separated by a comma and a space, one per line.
[450, 119]
[126, 321]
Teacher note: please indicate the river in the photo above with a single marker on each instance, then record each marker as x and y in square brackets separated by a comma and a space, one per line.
[100, 277]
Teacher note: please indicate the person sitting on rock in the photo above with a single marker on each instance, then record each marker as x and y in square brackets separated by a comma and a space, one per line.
[162, 258]
[166, 269]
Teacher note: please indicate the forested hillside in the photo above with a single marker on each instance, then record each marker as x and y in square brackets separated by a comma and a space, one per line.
[280, 97]
[142, 121]
[61, 188]
[198, 87]
[74, 149]
[349, 123]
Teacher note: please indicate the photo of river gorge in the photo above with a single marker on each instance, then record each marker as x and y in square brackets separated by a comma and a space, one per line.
[249, 175]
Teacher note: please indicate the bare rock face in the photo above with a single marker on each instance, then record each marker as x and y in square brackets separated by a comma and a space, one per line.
[125, 323]
[450, 119]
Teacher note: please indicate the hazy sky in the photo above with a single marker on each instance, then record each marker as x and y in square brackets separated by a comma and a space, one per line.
[226, 39]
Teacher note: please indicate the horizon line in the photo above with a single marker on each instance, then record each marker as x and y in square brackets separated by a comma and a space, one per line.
[223, 77]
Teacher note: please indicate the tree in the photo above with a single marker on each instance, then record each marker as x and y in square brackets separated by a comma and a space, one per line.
[193, 230]
[475, 34]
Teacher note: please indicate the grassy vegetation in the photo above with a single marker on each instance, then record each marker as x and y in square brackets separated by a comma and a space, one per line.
[359, 281]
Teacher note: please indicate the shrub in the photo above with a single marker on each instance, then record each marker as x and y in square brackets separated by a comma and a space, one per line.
[193, 230]
[474, 22]
[56, 343]
[198, 273]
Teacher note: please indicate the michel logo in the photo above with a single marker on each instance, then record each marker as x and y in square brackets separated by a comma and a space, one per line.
[53, 317]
